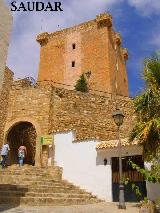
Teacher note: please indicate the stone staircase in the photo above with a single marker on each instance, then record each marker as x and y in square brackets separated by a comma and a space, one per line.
[36, 186]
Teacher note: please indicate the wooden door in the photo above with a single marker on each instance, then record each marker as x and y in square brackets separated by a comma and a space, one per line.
[132, 174]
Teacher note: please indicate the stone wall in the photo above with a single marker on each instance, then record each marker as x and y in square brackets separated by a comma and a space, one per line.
[5, 30]
[52, 110]
[90, 115]
[6, 76]
[97, 49]
[4, 96]
[30, 103]
[57, 110]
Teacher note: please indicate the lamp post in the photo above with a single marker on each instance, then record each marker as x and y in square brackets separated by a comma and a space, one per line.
[118, 119]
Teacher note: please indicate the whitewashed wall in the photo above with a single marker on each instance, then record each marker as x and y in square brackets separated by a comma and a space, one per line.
[84, 166]
[153, 189]
[81, 167]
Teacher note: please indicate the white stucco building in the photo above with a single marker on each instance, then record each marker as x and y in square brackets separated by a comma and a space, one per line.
[83, 164]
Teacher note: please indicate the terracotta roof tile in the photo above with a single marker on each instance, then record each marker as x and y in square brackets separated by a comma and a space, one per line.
[114, 143]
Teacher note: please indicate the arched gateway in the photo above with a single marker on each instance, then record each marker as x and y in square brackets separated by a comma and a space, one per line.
[23, 132]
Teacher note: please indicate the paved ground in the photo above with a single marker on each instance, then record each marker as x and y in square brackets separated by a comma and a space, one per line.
[92, 208]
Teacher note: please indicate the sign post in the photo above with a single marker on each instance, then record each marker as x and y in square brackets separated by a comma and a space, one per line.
[47, 140]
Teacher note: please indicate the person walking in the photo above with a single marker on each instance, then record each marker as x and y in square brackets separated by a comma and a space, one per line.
[22, 152]
[4, 153]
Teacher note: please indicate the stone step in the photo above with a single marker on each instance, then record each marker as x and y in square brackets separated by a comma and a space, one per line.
[43, 190]
[42, 184]
[35, 201]
[40, 188]
[26, 173]
[37, 186]
[51, 195]
[19, 178]
[25, 166]
[18, 169]
[28, 179]
[45, 186]
[56, 172]
[47, 183]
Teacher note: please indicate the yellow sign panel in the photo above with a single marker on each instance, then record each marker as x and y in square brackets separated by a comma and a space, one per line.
[47, 139]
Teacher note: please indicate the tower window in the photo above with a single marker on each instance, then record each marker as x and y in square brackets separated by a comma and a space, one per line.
[73, 46]
[73, 63]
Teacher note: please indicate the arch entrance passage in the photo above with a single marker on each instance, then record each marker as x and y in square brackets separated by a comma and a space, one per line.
[22, 133]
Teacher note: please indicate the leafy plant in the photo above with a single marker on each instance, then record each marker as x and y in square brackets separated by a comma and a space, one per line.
[151, 176]
[135, 188]
[147, 107]
[82, 84]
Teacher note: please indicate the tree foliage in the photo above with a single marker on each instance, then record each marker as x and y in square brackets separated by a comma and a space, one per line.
[81, 84]
[151, 176]
[147, 107]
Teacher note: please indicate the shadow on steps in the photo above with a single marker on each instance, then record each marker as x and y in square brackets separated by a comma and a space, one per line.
[7, 200]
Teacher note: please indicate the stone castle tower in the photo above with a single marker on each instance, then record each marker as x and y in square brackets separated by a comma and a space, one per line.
[92, 48]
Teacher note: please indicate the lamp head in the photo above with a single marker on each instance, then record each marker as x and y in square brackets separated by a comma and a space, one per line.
[118, 117]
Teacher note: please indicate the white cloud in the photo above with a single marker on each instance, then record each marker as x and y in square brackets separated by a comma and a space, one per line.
[146, 7]
[154, 38]
[24, 51]
[155, 41]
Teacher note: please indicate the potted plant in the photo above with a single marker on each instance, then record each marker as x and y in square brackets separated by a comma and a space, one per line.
[147, 206]
[158, 205]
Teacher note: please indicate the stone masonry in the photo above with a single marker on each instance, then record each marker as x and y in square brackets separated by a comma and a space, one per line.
[58, 110]
[29, 104]
[6, 76]
[52, 110]
[90, 115]
[93, 47]
[50, 106]
[4, 94]
[5, 30]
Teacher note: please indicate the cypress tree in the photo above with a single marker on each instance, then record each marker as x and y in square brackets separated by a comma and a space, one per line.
[81, 84]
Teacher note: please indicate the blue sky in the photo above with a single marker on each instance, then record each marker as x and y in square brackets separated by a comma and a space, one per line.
[138, 21]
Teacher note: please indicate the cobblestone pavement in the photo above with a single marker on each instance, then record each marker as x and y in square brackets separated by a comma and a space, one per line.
[91, 208]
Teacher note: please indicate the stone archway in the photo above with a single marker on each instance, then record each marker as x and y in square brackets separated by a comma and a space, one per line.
[22, 133]
[12, 123]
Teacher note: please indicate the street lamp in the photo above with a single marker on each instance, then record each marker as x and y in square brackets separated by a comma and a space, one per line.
[118, 119]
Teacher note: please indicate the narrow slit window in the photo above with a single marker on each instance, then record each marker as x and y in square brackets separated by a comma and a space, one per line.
[73, 46]
[73, 63]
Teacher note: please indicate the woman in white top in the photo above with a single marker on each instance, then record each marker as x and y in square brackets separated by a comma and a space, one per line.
[4, 153]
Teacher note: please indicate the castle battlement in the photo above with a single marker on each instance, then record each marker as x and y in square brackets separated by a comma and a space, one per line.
[102, 19]
[92, 47]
